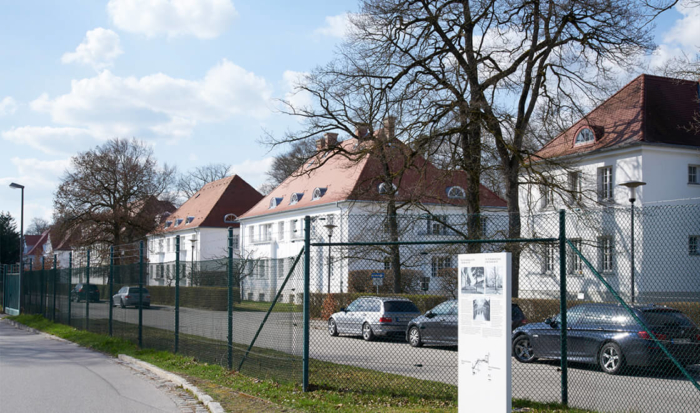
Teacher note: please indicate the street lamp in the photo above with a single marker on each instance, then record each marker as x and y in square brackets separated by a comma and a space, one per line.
[21, 243]
[193, 241]
[632, 185]
[330, 227]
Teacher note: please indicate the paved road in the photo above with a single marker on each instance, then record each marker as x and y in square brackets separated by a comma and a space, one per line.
[39, 374]
[589, 388]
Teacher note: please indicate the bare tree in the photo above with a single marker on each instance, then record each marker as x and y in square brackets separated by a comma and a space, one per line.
[106, 197]
[189, 183]
[471, 74]
[285, 164]
[37, 226]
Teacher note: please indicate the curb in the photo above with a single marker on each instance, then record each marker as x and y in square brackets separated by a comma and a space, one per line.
[204, 398]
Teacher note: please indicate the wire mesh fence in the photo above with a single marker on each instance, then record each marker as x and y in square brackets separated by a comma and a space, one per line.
[382, 316]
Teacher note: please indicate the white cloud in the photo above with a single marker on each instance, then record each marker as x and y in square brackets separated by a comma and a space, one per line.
[8, 106]
[297, 98]
[99, 49]
[51, 140]
[204, 19]
[253, 171]
[110, 105]
[336, 26]
[37, 175]
[686, 31]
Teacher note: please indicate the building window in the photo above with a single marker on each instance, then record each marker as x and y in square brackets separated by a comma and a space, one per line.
[261, 297]
[275, 201]
[575, 261]
[550, 257]
[584, 136]
[230, 218]
[262, 269]
[387, 263]
[605, 184]
[436, 225]
[693, 174]
[280, 230]
[178, 222]
[167, 245]
[189, 219]
[168, 224]
[294, 231]
[575, 185]
[384, 188]
[318, 193]
[547, 196]
[296, 197]
[234, 239]
[606, 254]
[266, 233]
[251, 233]
[439, 263]
[160, 245]
[693, 242]
[456, 192]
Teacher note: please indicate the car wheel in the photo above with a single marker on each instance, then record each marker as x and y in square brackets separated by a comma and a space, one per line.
[367, 332]
[414, 337]
[332, 328]
[121, 303]
[610, 358]
[522, 349]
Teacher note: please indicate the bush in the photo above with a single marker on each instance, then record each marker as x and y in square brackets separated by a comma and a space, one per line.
[360, 281]
[208, 298]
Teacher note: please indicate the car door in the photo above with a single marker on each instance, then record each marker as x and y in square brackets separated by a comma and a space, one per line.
[451, 324]
[345, 319]
[431, 329]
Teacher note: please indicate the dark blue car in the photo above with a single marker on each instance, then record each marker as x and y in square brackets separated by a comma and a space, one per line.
[607, 335]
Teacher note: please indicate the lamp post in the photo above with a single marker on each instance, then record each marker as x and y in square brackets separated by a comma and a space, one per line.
[193, 241]
[330, 227]
[21, 244]
[632, 185]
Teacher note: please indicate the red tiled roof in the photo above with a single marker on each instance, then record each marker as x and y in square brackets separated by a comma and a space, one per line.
[356, 180]
[231, 195]
[649, 109]
[31, 240]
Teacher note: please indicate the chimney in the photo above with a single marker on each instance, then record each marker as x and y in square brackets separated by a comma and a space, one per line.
[389, 126]
[321, 144]
[331, 139]
[362, 131]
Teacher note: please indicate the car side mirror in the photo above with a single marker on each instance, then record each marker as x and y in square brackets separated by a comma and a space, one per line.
[551, 322]
[430, 314]
[343, 309]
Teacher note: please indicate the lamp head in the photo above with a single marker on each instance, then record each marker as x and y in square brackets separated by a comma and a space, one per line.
[16, 186]
[330, 227]
[632, 185]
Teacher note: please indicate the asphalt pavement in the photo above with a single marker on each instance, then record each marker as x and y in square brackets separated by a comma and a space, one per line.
[40, 374]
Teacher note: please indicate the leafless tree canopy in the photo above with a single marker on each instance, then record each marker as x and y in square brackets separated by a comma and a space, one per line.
[108, 193]
[189, 183]
[469, 77]
[285, 164]
[37, 226]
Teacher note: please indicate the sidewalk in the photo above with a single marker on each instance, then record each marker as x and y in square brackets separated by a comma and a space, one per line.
[41, 374]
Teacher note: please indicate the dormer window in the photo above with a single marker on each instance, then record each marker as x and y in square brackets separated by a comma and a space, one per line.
[456, 192]
[230, 218]
[310, 164]
[178, 222]
[584, 136]
[168, 224]
[384, 188]
[318, 193]
[275, 201]
[189, 219]
[296, 197]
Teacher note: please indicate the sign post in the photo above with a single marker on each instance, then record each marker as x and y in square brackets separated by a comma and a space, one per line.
[377, 280]
[484, 332]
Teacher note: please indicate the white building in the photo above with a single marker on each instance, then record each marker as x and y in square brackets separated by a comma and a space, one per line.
[350, 195]
[641, 133]
[202, 223]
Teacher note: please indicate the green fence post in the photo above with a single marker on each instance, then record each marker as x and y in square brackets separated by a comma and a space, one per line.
[230, 298]
[41, 288]
[562, 309]
[53, 305]
[111, 287]
[70, 282]
[87, 293]
[30, 292]
[141, 294]
[177, 293]
[4, 287]
[307, 280]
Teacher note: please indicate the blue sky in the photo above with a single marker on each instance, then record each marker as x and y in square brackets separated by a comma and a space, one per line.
[196, 79]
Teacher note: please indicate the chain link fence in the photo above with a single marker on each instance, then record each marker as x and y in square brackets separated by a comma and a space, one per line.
[381, 309]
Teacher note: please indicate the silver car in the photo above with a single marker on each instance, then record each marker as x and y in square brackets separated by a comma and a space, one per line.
[130, 296]
[373, 316]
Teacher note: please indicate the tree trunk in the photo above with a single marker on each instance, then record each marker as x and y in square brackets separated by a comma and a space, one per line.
[514, 227]
[471, 163]
[394, 249]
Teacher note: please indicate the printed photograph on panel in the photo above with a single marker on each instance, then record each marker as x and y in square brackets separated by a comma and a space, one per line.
[472, 280]
[482, 309]
[494, 279]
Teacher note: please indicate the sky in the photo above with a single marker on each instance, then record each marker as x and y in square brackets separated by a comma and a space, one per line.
[195, 79]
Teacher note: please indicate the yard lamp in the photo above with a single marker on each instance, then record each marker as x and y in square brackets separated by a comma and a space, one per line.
[632, 185]
[21, 243]
[193, 241]
[330, 228]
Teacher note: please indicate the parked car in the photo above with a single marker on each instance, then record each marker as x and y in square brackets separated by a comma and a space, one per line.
[439, 325]
[607, 335]
[373, 316]
[79, 292]
[130, 296]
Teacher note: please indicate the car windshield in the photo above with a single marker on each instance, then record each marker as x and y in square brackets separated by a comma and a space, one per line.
[134, 290]
[666, 318]
[93, 288]
[400, 307]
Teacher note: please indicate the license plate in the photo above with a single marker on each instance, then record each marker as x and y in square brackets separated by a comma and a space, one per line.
[680, 340]
[397, 319]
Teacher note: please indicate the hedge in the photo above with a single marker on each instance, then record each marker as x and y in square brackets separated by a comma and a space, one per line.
[208, 298]
[332, 304]
[360, 281]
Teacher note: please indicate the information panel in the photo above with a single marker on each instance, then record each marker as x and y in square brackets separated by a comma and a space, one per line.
[484, 332]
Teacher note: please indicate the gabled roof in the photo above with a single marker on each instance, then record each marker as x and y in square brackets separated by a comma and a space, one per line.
[58, 242]
[209, 206]
[31, 240]
[357, 180]
[650, 109]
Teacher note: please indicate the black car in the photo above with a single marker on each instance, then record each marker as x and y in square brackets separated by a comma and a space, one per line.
[78, 293]
[439, 325]
[607, 335]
